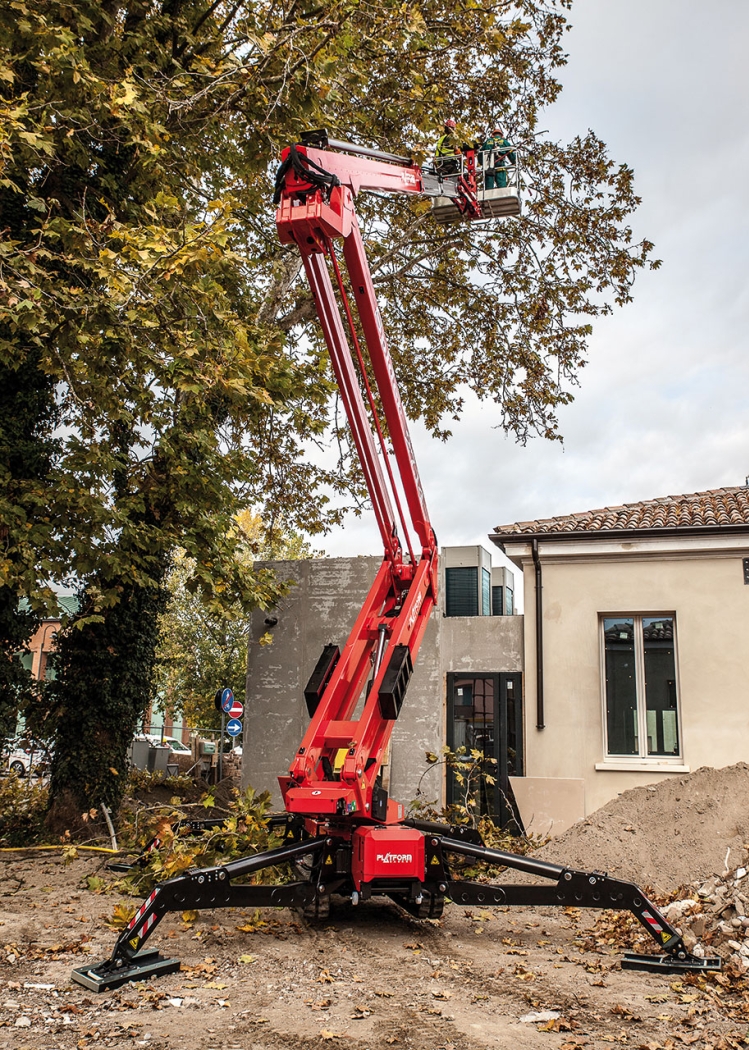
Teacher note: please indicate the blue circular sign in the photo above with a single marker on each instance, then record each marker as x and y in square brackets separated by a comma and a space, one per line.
[233, 727]
[227, 699]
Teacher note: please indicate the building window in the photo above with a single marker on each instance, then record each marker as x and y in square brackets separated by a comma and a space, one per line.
[462, 591]
[486, 592]
[642, 714]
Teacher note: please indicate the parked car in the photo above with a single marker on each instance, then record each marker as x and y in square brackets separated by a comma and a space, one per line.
[176, 745]
[29, 756]
[178, 748]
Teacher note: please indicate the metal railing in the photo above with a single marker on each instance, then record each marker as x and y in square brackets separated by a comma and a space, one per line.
[488, 163]
[493, 161]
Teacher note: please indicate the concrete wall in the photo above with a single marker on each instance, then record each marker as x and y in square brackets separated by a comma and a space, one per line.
[321, 608]
[481, 643]
[705, 590]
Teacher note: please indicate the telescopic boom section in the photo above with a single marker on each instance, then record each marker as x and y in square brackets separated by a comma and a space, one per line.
[335, 771]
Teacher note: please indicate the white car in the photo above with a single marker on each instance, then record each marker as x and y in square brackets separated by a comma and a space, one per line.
[176, 745]
[27, 756]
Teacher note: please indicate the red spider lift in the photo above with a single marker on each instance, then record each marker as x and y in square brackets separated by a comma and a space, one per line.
[342, 833]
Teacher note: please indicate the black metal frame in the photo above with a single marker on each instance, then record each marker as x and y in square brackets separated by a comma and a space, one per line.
[329, 866]
[504, 812]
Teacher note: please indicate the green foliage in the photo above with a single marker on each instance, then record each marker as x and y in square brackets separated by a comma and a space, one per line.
[27, 417]
[93, 707]
[245, 831]
[201, 649]
[147, 308]
[142, 780]
[470, 771]
[142, 277]
[17, 625]
[508, 838]
[23, 805]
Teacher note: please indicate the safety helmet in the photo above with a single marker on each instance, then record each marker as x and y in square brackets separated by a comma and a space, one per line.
[497, 130]
[450, 123]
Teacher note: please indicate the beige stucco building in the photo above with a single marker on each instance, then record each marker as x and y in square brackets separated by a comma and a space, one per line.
[636, 644]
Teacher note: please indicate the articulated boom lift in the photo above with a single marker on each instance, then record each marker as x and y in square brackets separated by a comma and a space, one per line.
[342, 833]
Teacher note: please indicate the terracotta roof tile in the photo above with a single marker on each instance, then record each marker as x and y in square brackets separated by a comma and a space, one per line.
[727, 506]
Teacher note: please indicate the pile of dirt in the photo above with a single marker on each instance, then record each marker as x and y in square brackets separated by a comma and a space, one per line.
[667, 835]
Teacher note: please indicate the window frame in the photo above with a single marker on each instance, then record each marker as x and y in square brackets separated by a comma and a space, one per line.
[642, 760]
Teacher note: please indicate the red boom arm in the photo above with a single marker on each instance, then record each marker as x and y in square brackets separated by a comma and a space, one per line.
[315, 196]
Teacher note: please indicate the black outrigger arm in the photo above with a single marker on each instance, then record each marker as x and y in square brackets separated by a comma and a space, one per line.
[327, 865]
[572, 888]
[200, 889]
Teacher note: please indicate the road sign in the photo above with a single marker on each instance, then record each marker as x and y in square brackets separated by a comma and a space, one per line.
[223, 697]
[236, 710]
[233, 727]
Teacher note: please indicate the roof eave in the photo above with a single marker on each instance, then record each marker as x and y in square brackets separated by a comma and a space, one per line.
[499, 539]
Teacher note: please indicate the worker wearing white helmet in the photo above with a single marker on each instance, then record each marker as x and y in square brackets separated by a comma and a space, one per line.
[500, 152]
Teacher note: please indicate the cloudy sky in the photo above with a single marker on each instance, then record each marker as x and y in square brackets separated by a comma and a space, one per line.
[661, 408]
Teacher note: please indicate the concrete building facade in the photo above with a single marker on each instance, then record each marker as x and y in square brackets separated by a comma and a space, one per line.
[326, 596]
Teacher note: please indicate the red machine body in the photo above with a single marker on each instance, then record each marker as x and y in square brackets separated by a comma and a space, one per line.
[392, 853]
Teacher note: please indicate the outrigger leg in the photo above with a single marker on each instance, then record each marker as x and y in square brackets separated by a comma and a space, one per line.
[200, 889]
[572, 888]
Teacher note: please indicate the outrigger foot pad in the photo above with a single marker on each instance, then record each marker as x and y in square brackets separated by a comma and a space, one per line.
[109, 974]
[670, 963]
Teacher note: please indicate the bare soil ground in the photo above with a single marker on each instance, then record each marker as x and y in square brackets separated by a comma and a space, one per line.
[369, 978]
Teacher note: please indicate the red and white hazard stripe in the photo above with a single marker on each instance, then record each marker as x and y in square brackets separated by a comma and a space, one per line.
[150, 921]
[652, 921]
[141, 911]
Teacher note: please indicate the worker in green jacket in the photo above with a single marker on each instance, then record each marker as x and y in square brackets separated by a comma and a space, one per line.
[447, 150]
[500, 151]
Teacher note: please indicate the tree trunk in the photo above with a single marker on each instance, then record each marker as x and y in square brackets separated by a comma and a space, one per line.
[103, 687]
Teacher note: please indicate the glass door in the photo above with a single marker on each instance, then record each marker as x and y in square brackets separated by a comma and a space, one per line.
[484, 714]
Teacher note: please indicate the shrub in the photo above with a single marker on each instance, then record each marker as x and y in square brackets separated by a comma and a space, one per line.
[23, 805]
